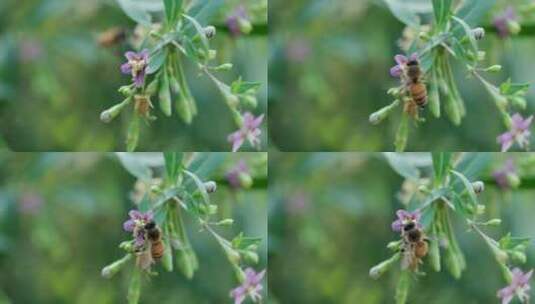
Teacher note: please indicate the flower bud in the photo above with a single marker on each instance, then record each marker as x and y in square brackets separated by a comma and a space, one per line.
[152, 87]
[212, 54]
[518, 257]
[226, 222]
[481, 55]
[480, 209]
[494, 69]
[210, 186]
[249, 101]
[379, 269]
[126, 90]
[246, 181]
[380, 115]
[223, 67]
[110, 270]
[513, 27]
[245, 25]
[394, 245]
[478, 187]
[519, 102]
[108, 115]
[513, 179]
[212, 209]
[478, 33]
[493, 222]
[127, 246]
[250, 257]
[210, 31]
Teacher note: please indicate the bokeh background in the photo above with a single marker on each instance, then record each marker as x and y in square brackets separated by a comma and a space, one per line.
[61, 217]
[55, 79]
[330, 218]
[329, 67]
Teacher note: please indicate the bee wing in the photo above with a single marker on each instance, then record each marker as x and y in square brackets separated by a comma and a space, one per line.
[144, 258]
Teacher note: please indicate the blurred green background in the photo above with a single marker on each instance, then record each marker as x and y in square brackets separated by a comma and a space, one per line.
[61, 217]
[329, 70]
[330, 218]
[55, 79]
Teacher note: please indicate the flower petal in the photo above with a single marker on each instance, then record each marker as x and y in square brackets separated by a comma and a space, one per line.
[395, 71]
[129, 225]
[126, 68]
[130, 55]
[401, 59]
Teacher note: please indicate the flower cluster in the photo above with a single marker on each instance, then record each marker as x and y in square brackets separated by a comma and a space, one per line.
[136, 66]
[136, 224]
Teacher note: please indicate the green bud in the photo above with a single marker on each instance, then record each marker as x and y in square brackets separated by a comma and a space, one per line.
[165, 96]
[480, 209]
[167, 258]
[212, 209]
[394, 245]
[127, 246]
[519, 102]
[245, 25]
[514, 180]
[518, 257]
[226, 222]
[493, 222]
[250, 257]
[481, 55]
[108, 115]
[379, 269]
[134, 290]
[478, 187]
[513, 27]
[212, 54]
[478, 33]
[110, 270]
[152, 87]
[126, 90]
[223, 67]
[494, 69]
[246, 181]
[379, 116]
[249, 101]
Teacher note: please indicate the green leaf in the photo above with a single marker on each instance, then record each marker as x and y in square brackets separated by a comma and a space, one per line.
[207, 162]
[200, 186]
[132, 136]
[441, 165]
[173, 164]
[468, 33]
[441, 8]
[173, 9]
[472, 164]
[200, 31]
[135, 167]
[403, 13]
[156, 61]
[472, 196]
[508, 88]
[474, 10]
[402, 166]
[241, 87]
[135, 12]
[134, 289]
[402, 133]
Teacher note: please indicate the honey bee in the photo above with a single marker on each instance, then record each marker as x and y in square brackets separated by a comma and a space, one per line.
[415, 86]
[153, 247]
[111, 37]
[154, 235]
[414, 246]
[142, 105]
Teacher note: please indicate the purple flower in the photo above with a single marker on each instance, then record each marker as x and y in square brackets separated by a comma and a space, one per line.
[239, 21]
[401, 61]
[250, 287]
[30, 203]
[519, 286]
[234, 176]
[506, 23]
[519, 132]
[136, 66]
[405, 217]
[505, 175]
[135, 223]
[249, 131]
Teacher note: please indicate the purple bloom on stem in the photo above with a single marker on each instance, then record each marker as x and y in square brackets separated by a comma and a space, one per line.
[238, 21]
[249, 131]
[250, 287]
[506, 174]
[519, 286]
[234, 176]
[401, 61]
[506, 23]
[405, 217]
[519, 132]
[137, 219]
[136, 66]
